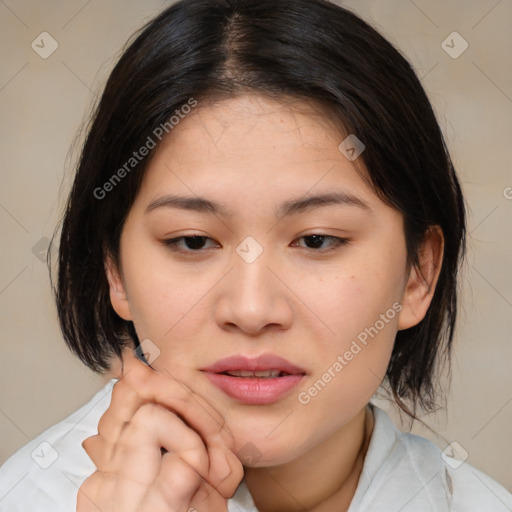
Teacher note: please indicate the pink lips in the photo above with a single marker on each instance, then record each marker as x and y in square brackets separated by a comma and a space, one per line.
[254, 390]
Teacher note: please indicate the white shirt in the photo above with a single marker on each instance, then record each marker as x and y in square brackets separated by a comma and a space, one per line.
[401, 473]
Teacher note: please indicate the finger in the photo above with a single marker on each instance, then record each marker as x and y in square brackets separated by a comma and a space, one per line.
[208, 499]
[219, 430]
[175, 485]
[140, 477]
[97, 450]
[151, 429]
[225, 471]
[124, 403]
[143, 376]
[141, 383]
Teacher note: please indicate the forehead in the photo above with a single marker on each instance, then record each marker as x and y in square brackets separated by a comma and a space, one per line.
[255, 148]
[253, 120]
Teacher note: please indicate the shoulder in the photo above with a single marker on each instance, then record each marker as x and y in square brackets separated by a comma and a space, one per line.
[466, 488]
[411, 474]
[475, 490]
[45, 474]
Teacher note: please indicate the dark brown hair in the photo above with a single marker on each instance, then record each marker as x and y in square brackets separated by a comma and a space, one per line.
[309, 49]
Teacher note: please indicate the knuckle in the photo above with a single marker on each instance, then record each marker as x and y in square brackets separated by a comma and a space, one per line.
[144, 416]
[136, 376]
[183, 476]
[99, 451]
[238, 469]
[90, 444]
[196, 456]
[103, 425]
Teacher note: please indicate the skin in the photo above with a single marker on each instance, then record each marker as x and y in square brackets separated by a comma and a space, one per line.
[295, 300]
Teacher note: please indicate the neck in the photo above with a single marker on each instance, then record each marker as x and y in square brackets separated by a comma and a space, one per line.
[321, 480]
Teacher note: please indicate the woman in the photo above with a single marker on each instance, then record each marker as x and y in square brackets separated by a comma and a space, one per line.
[265, 226]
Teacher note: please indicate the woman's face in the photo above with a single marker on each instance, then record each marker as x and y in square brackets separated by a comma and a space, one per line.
[259, 282]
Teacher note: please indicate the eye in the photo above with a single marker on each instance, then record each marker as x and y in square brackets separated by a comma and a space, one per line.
[194, 242]
[316, 240]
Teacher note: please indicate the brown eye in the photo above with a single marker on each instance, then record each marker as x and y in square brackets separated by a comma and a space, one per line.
[193, 243]
[315, 242]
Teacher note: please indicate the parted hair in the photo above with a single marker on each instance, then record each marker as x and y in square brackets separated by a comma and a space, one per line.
[306, 49]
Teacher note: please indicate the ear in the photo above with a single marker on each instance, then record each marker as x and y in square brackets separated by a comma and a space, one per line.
[422, 280]
[118, 296]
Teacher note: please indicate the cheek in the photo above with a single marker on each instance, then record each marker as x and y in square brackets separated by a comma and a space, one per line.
[349, 301]
[360, 311]
[170, 306]
[161, 313]
[157, 297]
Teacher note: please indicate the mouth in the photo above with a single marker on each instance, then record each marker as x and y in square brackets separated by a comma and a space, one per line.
[255, 381]
[263, 374]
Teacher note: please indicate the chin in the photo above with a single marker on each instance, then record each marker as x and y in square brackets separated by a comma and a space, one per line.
[255, 448]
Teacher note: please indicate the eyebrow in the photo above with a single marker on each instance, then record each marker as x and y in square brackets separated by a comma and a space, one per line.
[291, 207]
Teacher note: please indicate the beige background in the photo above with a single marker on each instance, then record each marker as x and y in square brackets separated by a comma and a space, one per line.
[44, 101]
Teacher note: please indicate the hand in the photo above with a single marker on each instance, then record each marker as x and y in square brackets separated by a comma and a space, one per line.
[160, 447]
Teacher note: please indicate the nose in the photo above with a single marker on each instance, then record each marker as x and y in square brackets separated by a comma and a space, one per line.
[254, 297]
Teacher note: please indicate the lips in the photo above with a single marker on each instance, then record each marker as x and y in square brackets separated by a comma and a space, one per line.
[255, 381]
[263, 363]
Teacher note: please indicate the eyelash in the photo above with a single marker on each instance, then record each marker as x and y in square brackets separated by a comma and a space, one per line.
[172, 243]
